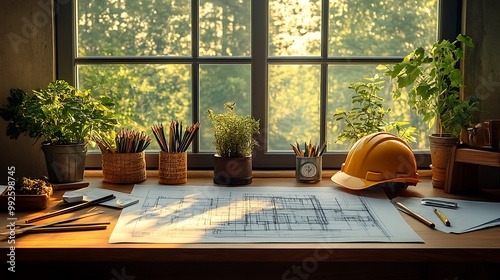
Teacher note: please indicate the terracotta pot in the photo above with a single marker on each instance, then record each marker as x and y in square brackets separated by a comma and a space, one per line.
[441, 148]
[232, 171]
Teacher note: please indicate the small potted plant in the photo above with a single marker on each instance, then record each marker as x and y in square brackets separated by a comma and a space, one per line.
[234, 144]
[64, 118]
[369, 115]
[30, 194]
[432, 80]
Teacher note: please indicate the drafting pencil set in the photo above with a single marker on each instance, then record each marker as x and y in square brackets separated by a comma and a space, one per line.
[126, 141]
[172, 165]
[177, 140]
[308, 162]
[309, 149]
[124, 162]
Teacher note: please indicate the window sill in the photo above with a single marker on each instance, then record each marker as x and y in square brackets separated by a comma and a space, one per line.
[255, 173]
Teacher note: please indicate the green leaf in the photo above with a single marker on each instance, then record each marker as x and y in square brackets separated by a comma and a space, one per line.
[466, 40]
[107, 101]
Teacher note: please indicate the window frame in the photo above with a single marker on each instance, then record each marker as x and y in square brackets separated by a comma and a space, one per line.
[449, 26]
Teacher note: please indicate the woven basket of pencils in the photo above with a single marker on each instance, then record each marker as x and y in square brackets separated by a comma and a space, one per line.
[172, 168]
[124, 168]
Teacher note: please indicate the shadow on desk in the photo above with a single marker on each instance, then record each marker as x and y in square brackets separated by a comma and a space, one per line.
[307, 269]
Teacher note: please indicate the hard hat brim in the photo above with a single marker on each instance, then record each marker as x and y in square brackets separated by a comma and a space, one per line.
[354, 183]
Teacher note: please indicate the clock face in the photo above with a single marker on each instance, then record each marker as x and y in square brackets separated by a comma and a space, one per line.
[308, 169]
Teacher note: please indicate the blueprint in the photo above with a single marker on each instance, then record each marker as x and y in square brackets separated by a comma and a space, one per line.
[213, 214]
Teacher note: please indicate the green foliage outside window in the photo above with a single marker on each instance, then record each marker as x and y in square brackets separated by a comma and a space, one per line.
[368, 114]
[155, 92]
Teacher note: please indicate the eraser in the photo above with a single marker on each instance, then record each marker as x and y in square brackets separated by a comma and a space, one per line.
[69, 197]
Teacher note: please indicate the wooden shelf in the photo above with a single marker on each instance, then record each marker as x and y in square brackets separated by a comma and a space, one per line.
[480, 157]
[462, 171]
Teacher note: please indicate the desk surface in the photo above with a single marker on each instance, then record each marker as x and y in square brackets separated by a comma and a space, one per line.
[477, 251]
[483, 245]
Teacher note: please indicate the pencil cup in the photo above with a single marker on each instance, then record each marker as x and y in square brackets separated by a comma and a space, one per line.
[308, 169]
[172, 168]
[123, 168]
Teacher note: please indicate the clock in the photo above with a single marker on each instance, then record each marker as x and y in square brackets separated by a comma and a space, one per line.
[308, 170]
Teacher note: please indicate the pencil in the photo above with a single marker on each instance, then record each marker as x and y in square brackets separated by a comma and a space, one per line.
[65, 225]
[322, 149]
[155, 133]
[309, 149]
[295, 150]
[171, 138]
[194, 129]
[33, 227]
[442, 217]
[66, 228]
[415, 215]
[179, 137]
[71, 208]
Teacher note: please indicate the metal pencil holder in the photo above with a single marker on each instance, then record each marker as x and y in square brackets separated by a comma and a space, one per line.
[308, 169]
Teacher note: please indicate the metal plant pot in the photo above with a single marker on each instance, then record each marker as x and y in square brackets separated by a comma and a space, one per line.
[232, 171]
[65, 163]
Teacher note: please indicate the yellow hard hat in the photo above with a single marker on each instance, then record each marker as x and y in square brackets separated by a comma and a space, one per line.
[378, 158]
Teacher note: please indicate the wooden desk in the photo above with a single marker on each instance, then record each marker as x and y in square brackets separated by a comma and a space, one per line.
[87, 255]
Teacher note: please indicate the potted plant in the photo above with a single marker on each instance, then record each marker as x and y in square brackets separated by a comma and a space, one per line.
[30, 194]
[432, 80]
[233, 143]
[64, 118]
[369, 115]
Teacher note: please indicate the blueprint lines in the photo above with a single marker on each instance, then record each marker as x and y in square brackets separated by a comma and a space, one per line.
[258, 214]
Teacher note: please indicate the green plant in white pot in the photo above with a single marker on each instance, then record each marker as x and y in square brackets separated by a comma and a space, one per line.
[64, 118]
[432, 80]
[234, 144]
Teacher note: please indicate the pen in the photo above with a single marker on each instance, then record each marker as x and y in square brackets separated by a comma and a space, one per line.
[442, 217]
[439, 203]
[415, 215]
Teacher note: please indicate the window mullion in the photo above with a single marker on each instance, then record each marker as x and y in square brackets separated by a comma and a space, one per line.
[324, 70]
[195, 68]
[259, 73]
[66, 49]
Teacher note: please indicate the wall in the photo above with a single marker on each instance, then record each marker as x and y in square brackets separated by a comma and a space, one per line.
[26, 62]
[482, 63]
[482, 67]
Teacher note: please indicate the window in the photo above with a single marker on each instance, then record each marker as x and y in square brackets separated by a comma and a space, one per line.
[286, 62]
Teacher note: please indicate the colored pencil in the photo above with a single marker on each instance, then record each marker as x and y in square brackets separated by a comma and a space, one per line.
[309, 149]
[179, 138]
[125, 141]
